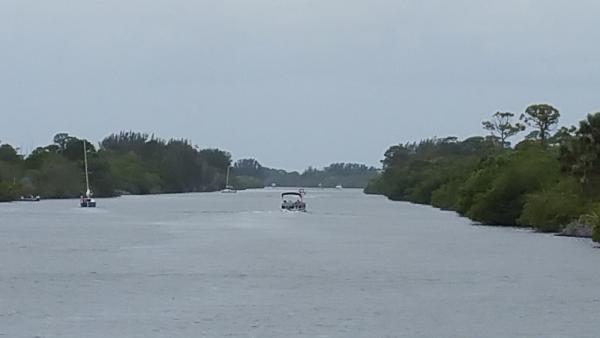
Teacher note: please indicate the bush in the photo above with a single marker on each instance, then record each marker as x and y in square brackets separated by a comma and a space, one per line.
[376, 186]
[422, 191]
[476, 185]
[551, 210]
[503, 202]
[499, 189]
[592, 218]
[397, 181]
[9, 191]
[596, 233]
[446, 196]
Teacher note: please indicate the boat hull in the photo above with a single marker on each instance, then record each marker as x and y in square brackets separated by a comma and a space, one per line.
[29, 199]
[301, 207]
[88, 203]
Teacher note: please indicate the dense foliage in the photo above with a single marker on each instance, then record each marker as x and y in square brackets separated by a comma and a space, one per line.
[124, 163]
[136, 163]
[546, 181]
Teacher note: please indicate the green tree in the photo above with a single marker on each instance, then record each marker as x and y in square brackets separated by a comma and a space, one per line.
[61, 140]
[542, 117]
[580, 155]
[73, 149]
[248, 167]
[501, 126]
[9, 154]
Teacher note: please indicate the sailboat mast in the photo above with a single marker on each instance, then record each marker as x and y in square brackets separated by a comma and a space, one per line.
[87, 180]
[227, 178]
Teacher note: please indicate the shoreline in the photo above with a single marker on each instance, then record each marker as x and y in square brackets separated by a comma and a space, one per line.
[172, 193]
[573, 230]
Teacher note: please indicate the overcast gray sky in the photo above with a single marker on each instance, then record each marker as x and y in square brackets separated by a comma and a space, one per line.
[291, 83]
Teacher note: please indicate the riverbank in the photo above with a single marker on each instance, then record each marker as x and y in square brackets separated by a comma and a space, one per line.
[120, 194]
[550, 186]
[577, 230]
[572, 230]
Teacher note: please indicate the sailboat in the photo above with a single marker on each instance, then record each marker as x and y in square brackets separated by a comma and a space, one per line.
[228, 188]
[86, 201]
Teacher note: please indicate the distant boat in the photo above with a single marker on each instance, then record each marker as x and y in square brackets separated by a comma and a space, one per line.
[292, 201]
[86, 201]
[339, 186]
[228, 188]
[30, 198]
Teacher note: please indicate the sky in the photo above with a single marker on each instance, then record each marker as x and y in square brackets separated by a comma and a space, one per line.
[292, 83]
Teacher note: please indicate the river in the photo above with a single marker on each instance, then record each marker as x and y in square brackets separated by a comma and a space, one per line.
[234, 265]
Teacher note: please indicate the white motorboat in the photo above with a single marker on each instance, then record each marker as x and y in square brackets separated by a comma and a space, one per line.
[292, 201]
[30, 198]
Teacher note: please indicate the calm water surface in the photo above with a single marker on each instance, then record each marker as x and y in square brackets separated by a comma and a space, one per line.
[233, 265]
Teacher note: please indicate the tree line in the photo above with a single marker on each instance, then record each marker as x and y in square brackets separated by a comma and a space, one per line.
[127, 162]
[138, 163]
[250, 173]
[550, 180]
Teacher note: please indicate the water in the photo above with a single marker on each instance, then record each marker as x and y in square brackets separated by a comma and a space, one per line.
[233, 265]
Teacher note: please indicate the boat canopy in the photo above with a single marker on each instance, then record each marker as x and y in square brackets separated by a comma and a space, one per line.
[291, 194]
